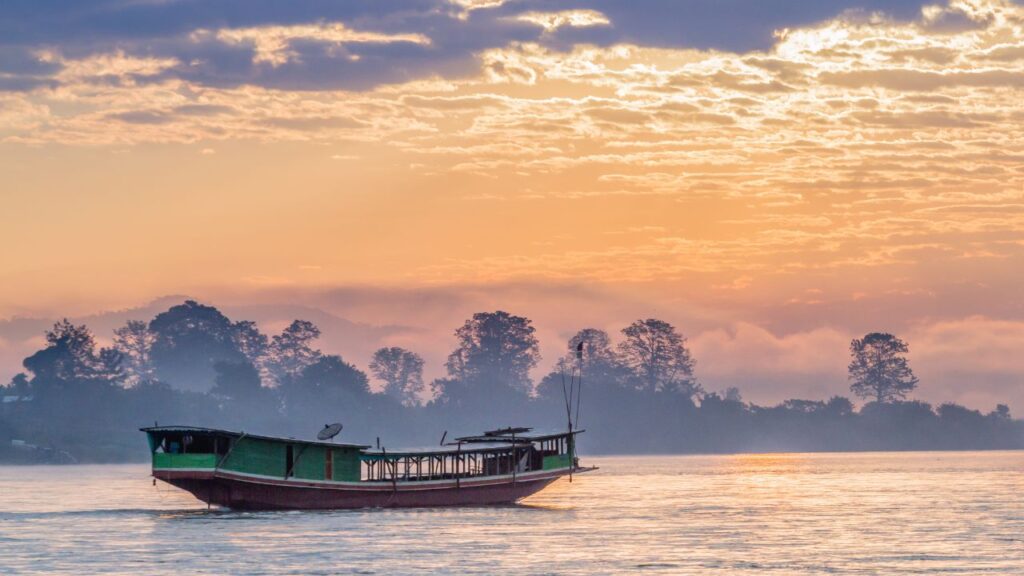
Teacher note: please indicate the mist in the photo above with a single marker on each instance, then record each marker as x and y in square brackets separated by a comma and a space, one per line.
[86, 387]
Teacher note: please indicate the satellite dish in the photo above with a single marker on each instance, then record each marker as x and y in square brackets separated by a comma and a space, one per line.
[329, 431]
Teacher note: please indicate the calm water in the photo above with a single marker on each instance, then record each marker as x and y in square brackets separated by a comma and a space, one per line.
[908, 513]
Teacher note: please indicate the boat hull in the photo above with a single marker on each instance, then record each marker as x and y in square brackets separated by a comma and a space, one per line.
[245, 492]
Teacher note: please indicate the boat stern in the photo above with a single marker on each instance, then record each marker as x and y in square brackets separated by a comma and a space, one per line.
[186, 458]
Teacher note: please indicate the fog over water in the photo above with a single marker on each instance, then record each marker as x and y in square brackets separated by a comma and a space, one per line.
[193, 365]
[868, 513]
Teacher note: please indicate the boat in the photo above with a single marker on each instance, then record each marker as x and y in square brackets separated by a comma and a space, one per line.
[244, 471]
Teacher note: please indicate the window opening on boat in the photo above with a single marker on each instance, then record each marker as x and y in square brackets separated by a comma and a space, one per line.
[467, 461]
[192, 444]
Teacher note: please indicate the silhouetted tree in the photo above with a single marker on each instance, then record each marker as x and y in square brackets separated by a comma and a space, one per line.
[135, 341]
[19, 385]
[960, 415]
[732, 394]
[326, 385]
[803, 406]
[497, 347]
[236, 380]
[189, 338]
[658, 357]
[327, 390]
[838, 406]
[291, 351]
[597, 347]
[879, 370]
[255, 346]
[600, 365]
[77, 386]
[630, 407]
[725, 412]
[402, 373]
[1002, 412]
[71, 355]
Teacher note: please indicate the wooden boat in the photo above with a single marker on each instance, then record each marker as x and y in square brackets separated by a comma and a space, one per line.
[249, 472]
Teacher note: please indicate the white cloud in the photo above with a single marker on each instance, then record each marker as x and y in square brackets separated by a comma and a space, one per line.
[551, 21]
[115, 64]
[272, 44]
[469, 6]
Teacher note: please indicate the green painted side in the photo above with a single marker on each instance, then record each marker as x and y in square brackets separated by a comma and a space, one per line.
[309, 463]
[154, 441]
[346, 465]
[557, 461]
[257, 457]
[267, 458]
[165, 461]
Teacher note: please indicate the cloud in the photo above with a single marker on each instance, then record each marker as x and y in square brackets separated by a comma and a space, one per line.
[115, 66]
[311, 41]
[903, 79]
[967, 360]
[273, 44]
[821, 352]
[974, 344]
[855, 153]
[468, 6]
[551, 21]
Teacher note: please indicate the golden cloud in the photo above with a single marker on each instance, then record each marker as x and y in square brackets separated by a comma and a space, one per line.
[551, 21]
[272, 44]
[854, 143]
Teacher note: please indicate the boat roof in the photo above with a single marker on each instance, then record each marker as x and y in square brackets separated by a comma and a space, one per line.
[518, 435]
[491, 441]
[231, 433]
[445, 449]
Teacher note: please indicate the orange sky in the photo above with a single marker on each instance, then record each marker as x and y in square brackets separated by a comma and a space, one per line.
[860, 174]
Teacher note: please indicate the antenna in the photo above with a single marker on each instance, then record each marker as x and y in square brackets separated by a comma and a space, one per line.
[443, 436]
[329, 431]
[565, 397]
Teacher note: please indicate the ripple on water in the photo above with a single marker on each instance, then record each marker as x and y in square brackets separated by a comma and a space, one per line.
[747, 514]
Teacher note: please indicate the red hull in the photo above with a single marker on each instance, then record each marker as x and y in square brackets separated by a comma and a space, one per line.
[242, 492]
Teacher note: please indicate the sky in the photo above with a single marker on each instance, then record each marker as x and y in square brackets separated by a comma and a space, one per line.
[772, 177]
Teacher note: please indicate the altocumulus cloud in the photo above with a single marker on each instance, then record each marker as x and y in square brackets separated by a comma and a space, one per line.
[864, 137]
[310, 44]
[874, 121]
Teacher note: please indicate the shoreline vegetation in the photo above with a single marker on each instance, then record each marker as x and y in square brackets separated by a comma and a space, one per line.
[79, 403]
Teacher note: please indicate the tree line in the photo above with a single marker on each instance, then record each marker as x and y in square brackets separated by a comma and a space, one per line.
[193, 365]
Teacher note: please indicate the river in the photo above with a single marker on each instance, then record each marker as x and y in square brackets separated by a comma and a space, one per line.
[860, 513]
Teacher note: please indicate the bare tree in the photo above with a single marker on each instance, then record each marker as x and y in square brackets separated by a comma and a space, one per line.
[879, 370]
[402, 373]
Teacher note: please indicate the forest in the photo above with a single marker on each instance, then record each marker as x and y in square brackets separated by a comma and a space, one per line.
[78, 402]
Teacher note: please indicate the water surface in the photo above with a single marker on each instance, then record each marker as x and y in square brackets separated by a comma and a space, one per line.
[893, 513]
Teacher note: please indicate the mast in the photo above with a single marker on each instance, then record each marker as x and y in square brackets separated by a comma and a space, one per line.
[578, 385]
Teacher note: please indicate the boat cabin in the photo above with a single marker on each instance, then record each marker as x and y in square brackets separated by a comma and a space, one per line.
[504, 452]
